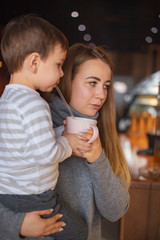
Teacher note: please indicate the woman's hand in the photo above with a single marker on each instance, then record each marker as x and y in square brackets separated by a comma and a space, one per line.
[78, 143]
[81, 148]
[35, 226]
[96, 149]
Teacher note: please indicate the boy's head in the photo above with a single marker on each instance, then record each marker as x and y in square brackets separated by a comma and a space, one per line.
[27, 34]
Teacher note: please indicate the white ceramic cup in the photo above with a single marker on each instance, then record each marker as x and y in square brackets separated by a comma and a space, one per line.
[78, 124]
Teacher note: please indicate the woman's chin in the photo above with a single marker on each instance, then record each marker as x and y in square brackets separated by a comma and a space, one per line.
[90, 113]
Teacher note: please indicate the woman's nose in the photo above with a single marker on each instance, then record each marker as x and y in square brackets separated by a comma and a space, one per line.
[101, 93]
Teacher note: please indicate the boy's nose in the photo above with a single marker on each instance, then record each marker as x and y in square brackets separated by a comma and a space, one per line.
[62, 73]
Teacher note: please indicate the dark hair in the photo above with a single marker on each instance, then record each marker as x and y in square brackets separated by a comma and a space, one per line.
[26, 34]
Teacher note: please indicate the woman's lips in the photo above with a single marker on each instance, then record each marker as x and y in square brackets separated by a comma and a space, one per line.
[96, 106]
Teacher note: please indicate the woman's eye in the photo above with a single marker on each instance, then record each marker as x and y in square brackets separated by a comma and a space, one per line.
[92, 83]
[107, 86]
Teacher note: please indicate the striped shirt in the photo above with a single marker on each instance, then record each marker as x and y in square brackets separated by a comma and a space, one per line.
[29, 150]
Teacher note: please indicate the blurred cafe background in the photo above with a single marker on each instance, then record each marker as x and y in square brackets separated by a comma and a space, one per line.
[130, 32]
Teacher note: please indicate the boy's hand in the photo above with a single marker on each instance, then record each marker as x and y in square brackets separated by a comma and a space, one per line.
[81, 148]
[78, 143]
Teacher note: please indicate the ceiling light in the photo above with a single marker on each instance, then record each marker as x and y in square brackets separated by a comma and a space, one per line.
[154, 30]
[74, 14]
[148, 39]
[81, 27]
[87, 37]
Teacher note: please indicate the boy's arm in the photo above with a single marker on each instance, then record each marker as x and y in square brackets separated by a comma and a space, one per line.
[39, 130]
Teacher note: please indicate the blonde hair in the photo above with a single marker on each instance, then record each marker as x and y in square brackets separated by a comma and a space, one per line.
[78, 54]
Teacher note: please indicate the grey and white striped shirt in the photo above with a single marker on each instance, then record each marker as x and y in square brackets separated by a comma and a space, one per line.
[29, 150]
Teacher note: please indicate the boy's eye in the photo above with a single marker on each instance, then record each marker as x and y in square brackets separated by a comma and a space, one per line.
[59, 64]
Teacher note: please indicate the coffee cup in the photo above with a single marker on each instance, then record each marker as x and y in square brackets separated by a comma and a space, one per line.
[79, 124]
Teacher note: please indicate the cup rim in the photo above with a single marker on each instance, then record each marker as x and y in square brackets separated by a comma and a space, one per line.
[82, 119]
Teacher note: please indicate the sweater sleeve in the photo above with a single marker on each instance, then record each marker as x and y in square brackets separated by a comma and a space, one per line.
[111, 194]
[10, 223]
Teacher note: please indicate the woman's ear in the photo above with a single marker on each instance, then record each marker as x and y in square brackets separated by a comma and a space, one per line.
[34, 61]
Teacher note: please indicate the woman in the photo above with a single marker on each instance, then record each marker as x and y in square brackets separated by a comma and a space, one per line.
[80, 55]
[88, 88]
[97, 187]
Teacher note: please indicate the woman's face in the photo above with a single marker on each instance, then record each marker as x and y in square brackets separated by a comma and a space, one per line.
[90, 86]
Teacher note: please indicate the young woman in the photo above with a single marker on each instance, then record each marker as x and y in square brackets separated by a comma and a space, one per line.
[97, 187]
[87, 85]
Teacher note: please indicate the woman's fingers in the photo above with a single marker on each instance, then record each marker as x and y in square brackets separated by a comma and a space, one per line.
[34, 225]
[53, 226]
[64, 123]
[44, 212]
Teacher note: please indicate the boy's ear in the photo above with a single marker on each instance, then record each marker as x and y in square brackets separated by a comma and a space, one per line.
[34, 61]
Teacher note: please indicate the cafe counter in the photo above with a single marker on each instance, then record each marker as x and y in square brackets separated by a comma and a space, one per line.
[142, 220]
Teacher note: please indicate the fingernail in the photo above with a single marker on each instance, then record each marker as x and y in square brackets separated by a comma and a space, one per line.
[51, 209]
[61, 229]
[61, 215]
[86, 130]
[64, 224]
[80, 133]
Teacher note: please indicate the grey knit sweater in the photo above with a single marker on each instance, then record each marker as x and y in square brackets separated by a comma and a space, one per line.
[92, 190]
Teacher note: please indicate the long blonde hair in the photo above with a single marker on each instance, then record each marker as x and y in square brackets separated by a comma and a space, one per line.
[78, 54]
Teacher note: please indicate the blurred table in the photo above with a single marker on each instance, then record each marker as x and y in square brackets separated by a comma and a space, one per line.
[142, 220]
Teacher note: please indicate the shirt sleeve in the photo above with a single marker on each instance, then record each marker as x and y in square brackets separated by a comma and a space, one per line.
[10, 223]
[58, 131]
[111, 193]
[41, 136]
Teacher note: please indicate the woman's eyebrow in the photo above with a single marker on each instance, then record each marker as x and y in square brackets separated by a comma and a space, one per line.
[98, 79]
[93, 77]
